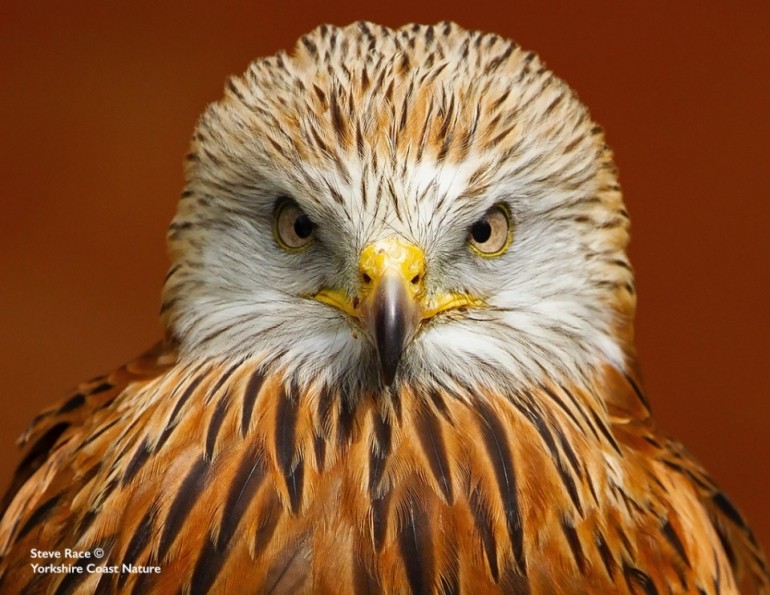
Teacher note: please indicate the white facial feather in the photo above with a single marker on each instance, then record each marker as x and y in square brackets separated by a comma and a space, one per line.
[422, 155]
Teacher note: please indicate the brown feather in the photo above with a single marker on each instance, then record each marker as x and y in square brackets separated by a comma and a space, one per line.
[467, 497]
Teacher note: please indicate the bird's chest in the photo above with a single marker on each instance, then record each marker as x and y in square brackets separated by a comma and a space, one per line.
[472, 500]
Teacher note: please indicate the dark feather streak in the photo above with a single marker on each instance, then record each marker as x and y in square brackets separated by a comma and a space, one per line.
[378, 453]
[215, 424]
[482, 517]
[207, 568]
[536, 419]
[73, 578]
[172, 419]
[346, 419]
[496, 444]
[728, 509]
[249, 399]
[141, 454]
[637, 578]
[674, 540]
[285, 429]
[137, 543]
[380, 509]
[187, 495]
[606, 555]
[41, 514]
[270, 514]
[72, 403]
[243, 488]
[32, 461]
[429, 433]
[573, 540]
[416, 548]
[338, 120]
[103, 387]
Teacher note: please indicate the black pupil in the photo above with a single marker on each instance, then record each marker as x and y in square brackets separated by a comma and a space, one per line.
[481, 231]
[303, 226]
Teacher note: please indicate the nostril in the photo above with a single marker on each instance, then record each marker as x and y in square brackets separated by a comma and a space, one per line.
[366, 278]
[416, 279]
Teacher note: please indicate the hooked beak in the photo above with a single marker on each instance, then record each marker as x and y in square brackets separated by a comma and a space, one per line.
[392, 275]
[392, 301]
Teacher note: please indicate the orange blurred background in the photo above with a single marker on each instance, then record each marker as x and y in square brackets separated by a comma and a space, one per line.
[98, 104]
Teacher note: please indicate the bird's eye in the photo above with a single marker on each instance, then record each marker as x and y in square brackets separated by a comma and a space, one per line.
[492, 234]
[293, 229]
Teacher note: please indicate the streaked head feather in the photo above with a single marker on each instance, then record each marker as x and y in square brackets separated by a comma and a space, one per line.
[413, 132]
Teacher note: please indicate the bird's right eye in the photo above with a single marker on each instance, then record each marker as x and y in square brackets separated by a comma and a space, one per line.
[293, 229]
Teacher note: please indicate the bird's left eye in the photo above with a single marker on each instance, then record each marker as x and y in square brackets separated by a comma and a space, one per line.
[492, 234]
[293, 229]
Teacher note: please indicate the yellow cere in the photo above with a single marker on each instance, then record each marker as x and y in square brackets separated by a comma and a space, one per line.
[395, 256]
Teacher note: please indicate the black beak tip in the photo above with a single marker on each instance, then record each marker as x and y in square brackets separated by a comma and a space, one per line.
[389, 332]
[388, 367]
[392, 322]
